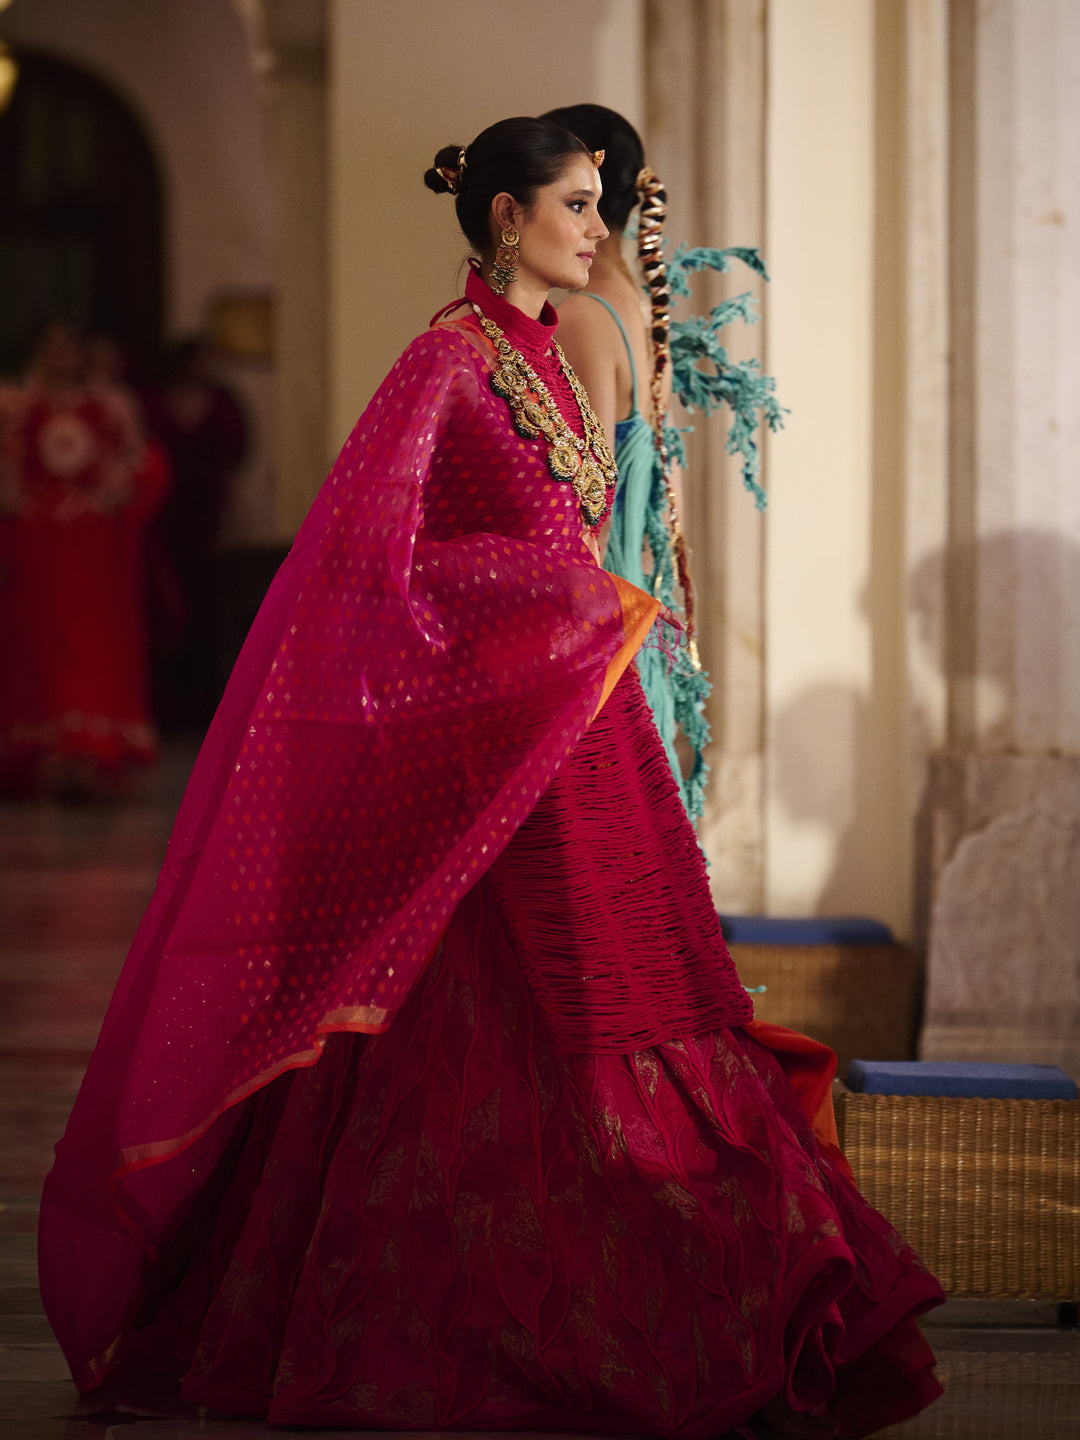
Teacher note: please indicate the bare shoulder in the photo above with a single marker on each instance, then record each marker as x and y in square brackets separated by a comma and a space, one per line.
[585, 325]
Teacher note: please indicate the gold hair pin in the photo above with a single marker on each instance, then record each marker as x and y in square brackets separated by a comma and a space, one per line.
[598, 157]
[453, 177]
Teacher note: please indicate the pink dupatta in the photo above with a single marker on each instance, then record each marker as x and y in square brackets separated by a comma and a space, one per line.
[431, 651]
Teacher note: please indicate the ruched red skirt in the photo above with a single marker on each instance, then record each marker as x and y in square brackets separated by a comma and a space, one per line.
[454, 1226]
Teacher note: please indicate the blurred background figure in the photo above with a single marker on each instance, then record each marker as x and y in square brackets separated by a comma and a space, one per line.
[105, 365]
[204, 433]
[77, 487]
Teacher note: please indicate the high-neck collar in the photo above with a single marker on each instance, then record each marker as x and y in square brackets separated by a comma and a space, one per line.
[522, 331]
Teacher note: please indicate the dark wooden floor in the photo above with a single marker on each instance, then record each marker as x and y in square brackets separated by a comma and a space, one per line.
[73, 884]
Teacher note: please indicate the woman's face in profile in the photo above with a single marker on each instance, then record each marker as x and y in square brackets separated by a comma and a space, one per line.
[561, 229]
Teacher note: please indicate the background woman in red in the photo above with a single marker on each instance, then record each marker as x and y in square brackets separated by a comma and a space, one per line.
[77, 486]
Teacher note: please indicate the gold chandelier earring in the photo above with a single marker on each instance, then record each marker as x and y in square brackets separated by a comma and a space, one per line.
[504, 270]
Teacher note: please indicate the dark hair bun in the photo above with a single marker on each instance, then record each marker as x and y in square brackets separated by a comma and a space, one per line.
[447, 159]
[518, 155]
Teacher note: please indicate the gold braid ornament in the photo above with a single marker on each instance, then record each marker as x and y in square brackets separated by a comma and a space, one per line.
[652, 212]
[586, 464]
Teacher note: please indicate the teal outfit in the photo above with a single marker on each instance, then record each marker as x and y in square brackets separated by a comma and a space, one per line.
[674, 689]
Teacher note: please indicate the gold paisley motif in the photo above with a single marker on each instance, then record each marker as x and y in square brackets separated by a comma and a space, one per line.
[508, 381]
[595, 491]
[535, 416]
[563, 461]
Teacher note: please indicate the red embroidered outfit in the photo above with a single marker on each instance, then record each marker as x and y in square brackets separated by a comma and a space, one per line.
[76, 491]
[572, 1185]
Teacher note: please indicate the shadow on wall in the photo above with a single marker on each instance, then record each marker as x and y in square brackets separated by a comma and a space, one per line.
[822, 747]
[1025, 586]
[1021, 681]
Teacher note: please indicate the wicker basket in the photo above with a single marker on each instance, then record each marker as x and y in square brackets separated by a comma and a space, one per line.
[987, 1191]
[859, 999]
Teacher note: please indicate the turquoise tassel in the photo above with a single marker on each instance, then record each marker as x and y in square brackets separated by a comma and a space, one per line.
[748, 393]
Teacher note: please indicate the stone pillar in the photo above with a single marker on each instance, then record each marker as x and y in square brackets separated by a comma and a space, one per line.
[731, 553]
[1003, 802]
[705, 135]
[926, 431]
[293, 40]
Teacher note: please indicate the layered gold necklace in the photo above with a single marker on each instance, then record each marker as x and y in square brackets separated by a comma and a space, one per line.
[586, 464]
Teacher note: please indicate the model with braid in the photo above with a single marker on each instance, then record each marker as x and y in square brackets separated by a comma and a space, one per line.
[621, 351]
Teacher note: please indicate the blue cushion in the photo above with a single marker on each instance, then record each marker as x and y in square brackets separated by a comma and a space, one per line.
[974, 1080]
[829, 930]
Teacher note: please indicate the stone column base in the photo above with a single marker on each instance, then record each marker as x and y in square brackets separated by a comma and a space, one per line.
[1006, 1046]
[731, 832]
[1003, 971]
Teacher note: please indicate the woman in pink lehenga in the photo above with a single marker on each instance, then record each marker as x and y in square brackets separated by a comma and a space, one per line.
[429, 1097]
